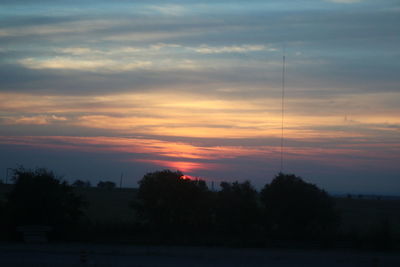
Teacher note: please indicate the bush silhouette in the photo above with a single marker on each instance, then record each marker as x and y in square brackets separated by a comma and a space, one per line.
[296, 209]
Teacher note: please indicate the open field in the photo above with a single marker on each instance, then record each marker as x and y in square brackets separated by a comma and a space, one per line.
[108, 205]
[365, 214]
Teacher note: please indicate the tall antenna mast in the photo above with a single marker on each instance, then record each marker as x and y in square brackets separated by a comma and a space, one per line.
[283, 103]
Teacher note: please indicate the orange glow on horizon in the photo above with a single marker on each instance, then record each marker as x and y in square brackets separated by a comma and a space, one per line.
[183, 166]
[189, 158]
[188, 177]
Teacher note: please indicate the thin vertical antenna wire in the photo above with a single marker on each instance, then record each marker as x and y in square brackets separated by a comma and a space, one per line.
[283, 104]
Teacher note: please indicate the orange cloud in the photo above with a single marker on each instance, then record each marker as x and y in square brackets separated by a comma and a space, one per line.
[188, 115]
[189, 157]
[136, 145]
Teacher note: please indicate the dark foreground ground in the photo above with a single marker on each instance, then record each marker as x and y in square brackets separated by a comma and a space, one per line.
[20, 255]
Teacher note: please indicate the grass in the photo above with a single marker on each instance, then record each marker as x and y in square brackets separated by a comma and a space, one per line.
[363, 215]
[105, 206]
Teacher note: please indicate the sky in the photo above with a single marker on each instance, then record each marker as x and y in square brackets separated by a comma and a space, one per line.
[93, 89]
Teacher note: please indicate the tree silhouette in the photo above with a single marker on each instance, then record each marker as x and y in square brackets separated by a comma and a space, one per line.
[39, 197]
[167, 200]
[296, 209]
[237, 208]
[4, 231]
[106, 185]
[81, 184]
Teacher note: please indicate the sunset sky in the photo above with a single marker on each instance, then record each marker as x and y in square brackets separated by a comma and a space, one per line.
[93, 89]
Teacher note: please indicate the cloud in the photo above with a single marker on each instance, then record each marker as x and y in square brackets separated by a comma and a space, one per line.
[32, 120]
[80, 25]
[169, 10]
[163, 45]
[117, 50]
[77, 51]
[194, 83]
[69, 63]
[190, 156]
[151, 148]
[106, 65]
[187, 115]
[205, 49]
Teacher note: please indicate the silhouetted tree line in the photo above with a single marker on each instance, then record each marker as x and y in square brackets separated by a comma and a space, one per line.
[286, 209]
[172, 209]
[106, 185]
[81, 184]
